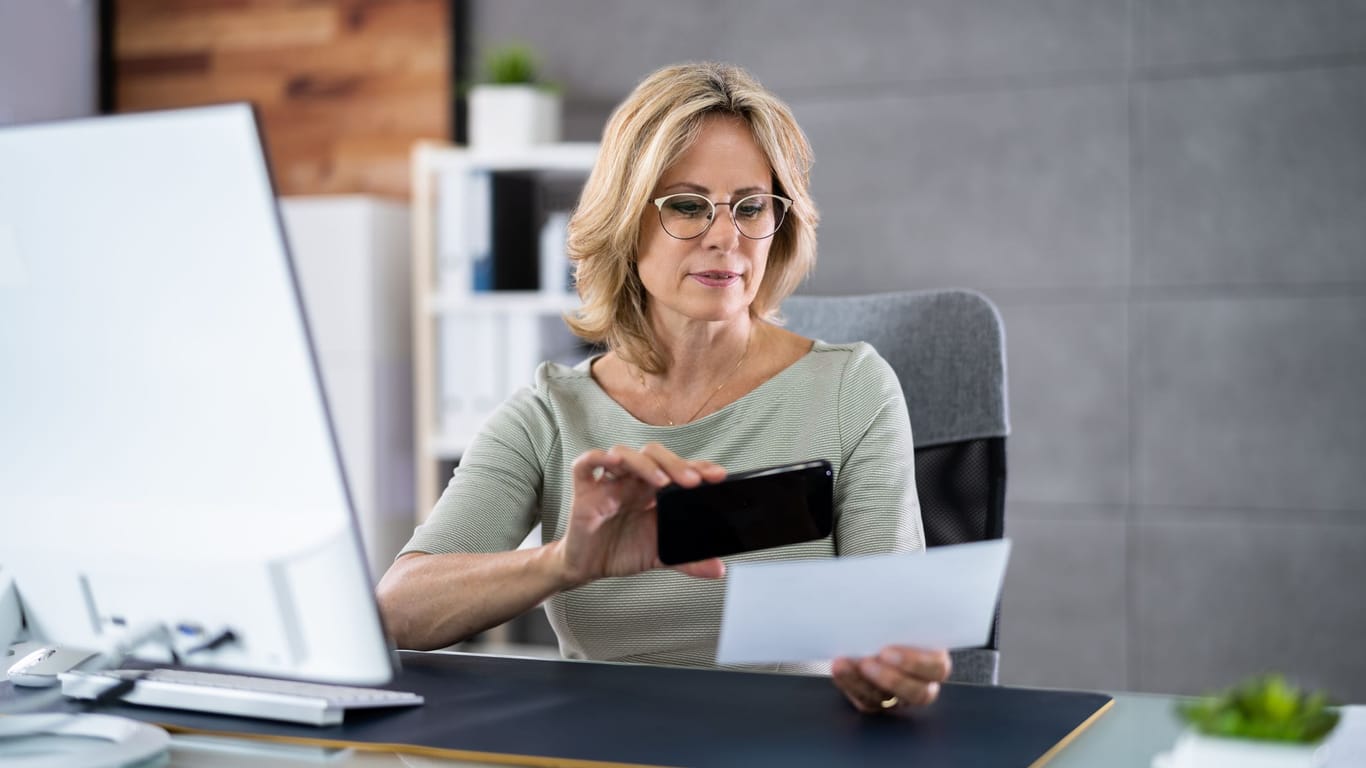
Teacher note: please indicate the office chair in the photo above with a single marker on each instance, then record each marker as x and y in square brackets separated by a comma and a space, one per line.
[948, 349]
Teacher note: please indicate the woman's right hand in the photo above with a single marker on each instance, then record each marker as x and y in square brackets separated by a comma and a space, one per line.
[613, 525]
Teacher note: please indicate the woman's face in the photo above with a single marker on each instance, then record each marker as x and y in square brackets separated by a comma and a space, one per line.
[716, 275]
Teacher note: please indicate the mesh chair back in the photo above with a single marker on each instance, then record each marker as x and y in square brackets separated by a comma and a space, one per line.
[948, 350]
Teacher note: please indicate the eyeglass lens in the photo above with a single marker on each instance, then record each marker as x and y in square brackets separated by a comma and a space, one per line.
[686, 216]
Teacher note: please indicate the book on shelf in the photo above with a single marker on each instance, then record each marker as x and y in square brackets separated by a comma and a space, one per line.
[463, 237]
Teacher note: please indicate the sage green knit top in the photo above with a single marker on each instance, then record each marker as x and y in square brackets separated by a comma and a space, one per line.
[839, 402]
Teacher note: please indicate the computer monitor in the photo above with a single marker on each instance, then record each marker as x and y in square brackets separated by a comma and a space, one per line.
[166, 453]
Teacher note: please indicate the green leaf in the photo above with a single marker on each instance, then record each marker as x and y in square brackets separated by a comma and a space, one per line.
[1266, 708]
[510, 64]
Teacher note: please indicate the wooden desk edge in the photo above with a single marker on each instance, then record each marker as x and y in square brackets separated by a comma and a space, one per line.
[499, 758]
[1068, 739]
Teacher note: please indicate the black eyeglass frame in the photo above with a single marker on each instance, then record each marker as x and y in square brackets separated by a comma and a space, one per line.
[658, 203]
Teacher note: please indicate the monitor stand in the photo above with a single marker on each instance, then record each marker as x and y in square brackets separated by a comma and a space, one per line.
[60, 739]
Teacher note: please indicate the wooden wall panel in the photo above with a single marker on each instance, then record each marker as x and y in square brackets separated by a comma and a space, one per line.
[343, 87]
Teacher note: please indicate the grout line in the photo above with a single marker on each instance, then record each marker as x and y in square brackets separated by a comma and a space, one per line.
[1136, 513]
[1283, 65]
[1130, 75]
[1167, 514]
[1103, 294]
[1315, 290]
[1132, 358]
[1247, 508]
[1056, 504]
[953, 85]
[959, 85]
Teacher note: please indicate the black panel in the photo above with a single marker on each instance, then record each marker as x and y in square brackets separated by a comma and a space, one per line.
[108, 76]
[460, 18]
[516, 232]
[962, 488]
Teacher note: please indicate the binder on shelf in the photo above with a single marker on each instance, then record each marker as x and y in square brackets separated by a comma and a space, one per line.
[559, 196]
[521, 350]
[556, 273]
[451, 239]
[478, 233]
[470, 379]
[515, 221]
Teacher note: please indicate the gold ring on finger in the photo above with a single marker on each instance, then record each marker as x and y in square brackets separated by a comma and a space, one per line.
[890, 702]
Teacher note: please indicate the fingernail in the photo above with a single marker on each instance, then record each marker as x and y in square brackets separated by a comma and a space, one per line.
[661, 478]
[691, 475]
[891, 656]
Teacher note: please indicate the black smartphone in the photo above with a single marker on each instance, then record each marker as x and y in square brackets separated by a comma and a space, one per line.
[751, 510]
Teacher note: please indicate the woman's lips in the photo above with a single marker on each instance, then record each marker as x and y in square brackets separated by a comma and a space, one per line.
[715, 279]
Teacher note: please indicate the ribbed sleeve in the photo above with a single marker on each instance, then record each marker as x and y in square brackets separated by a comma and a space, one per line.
[878, 457]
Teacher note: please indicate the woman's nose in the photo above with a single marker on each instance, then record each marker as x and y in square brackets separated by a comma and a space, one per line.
[723, 233]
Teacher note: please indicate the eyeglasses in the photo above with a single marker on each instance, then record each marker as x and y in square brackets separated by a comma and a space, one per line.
[686, 215]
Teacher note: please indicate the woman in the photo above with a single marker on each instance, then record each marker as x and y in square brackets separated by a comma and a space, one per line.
[693, 226]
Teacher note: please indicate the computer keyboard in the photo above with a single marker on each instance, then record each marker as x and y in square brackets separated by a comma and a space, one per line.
[269, 698]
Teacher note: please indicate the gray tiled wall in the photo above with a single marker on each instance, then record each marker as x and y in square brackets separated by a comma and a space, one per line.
[1168, 202]
[1252, 178]
[1235, 33]
[1215, 599]
[1252, 403]
[47, 60]
[1068, 375]
[1018, 188]
[1084, 641]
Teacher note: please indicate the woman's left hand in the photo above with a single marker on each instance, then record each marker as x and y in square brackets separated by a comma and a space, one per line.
[898, 676]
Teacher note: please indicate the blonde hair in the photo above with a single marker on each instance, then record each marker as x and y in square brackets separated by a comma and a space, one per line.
[645, 136]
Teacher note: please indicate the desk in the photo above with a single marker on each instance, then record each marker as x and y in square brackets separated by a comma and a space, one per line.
[1137, 727]
[567, 713]
[751, 720]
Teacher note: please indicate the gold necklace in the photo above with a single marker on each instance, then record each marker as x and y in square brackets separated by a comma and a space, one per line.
[641, 375]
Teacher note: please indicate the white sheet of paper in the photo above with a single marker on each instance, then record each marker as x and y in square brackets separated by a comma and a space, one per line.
[813, 610]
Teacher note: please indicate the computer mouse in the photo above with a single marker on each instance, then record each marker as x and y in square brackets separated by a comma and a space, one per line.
[40, 666]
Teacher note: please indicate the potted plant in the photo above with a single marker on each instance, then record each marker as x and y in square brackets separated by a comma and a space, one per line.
[510, 106]
[1263, 723]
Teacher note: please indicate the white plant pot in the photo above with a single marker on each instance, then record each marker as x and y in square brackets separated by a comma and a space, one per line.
[1196, 750]
[513, 116]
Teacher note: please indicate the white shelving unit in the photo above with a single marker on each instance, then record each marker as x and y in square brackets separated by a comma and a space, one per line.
[490, 322]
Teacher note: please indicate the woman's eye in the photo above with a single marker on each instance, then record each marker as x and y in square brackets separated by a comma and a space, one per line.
[687, 208]
[752, 209]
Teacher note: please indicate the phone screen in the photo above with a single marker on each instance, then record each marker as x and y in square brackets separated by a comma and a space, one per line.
[753, 510]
